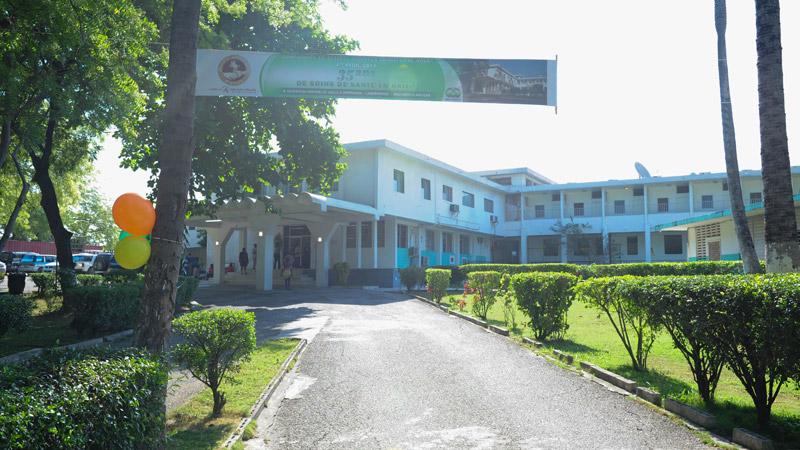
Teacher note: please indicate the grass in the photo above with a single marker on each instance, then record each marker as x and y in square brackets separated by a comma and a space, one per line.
[50, 329]
[591, 338]
[190, 427]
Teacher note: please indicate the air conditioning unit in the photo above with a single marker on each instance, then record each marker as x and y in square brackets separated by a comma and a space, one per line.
[452, 259]
[493, 219]
[464, 260]
[412, 251]
[453, 208]
[425, 261]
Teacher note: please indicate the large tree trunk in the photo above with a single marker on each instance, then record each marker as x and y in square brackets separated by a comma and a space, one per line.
[780, 224]
[154, 320]
[49, 201]
[746, 247]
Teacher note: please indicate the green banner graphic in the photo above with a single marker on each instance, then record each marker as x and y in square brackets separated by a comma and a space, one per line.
[257, 74]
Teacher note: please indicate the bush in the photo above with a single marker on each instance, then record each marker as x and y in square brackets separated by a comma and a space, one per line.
[341, 272]
[98, 398]
[411, 277]
[438, 280]
[187, 287]
[635, 326]
[510, 307]
[457, 275]
[16, 313]
[545, 298]
[123, 276]
[103, 308]
[513, 269]
[218, 342]
[44, 282]
[486, 285]
[90, 280]
[664, 269]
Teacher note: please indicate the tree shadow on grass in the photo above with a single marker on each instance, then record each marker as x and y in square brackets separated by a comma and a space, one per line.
[568, 346]
[667, 385]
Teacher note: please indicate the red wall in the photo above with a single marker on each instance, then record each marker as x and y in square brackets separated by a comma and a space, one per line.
[43, 248]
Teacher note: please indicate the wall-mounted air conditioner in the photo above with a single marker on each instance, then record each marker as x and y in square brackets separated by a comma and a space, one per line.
[464, 260]
[453, 208]
[425, 261]
[452, 259]
[493, 219]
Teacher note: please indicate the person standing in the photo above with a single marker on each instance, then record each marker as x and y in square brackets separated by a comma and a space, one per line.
[243, 261]
[255, 256]
[276, 258]
[286, 273]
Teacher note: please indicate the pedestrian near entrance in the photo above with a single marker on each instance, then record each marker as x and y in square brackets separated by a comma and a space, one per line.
[286, 273]
[255, 256]
[276, 258]
[243, 261]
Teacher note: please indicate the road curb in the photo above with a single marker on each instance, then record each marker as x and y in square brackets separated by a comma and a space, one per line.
[259, 405]
[28, 354]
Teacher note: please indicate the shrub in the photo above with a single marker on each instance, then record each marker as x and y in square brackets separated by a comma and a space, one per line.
[123, 276]
[664, 269]
[510, 307]
[636, 328]
[513, 269]
[66, 278]
[44, 282]
[103, 308]
[94, 398]
[90, 280]
[218, 342]
[457, 275]
[187, 287]
[545, 298]
[438, 280]
[16, 314]
[485, 285]
[411, 277]
[341, 272]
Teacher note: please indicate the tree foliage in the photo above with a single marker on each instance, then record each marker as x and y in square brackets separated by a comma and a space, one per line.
[545, 298]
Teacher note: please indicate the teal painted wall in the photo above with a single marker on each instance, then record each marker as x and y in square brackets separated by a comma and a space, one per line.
[433, 258]
[403, 260]
[731, 257]
[462, 257]
[481, 259]
[446, 258]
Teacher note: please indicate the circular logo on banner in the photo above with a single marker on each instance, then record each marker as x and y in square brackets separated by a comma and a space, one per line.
[234, 70]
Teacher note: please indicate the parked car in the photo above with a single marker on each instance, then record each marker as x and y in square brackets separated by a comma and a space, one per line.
[51, 267]
[84, 262]
[2, 271]
[34, 262]
[103, 262]
[12, 259]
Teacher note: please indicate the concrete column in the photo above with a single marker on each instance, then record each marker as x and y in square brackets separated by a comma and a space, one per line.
[457, 247]
[321, 235]
[266, 247]
[691, 199]
[648, 254]
[603, 229]
[439, 258]
[344, 242]
[523, 233]
[419, 246]
[374, 244]
[212, 250]
[358, 245]
[219, 253]
[564, 256]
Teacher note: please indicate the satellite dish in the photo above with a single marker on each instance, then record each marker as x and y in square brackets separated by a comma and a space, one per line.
[643, 173]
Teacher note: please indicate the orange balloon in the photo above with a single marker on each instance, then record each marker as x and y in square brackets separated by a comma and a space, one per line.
[134, 214]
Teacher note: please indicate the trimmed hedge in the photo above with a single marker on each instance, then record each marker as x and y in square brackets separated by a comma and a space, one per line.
[411, 277]
[438, 280]
[545, 298]
[16, 313]
[123, 276]
[609, 270]
[341, 272]
[90, 280]
[457, 274]
[45, 282]
[98, 398]
[103, 308]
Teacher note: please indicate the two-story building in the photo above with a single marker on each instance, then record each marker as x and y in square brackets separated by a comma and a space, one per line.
[394, 207]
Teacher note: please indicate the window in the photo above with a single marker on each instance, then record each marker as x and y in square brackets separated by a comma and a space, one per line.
[467, 199]
[619, 206]
[351, 235]
[463, 244]
[708, 202]
[538, 211]
[755, 197]
[528, 182]
[638, 192]
[381, 233]
[663, 205]
[366, 234]
[673, 244]
[551, 247]
[724, 186]
[447, 242]
[633, 245]
[426, 189]
[682, 189]
[399, 181]
[430, 241]
[505, 181]
[402, 236]
[488, 205]
[597, 194]
[556, 197]
[513, 199]
[577, 209]
[447, 193]
[334, 186]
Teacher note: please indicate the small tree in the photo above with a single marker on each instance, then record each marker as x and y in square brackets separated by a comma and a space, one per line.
[411, 277]
[438, 280]
[509, 302]
[545, 298]
[341, 271]
[218, 342]
[633, 325]
[485, 285]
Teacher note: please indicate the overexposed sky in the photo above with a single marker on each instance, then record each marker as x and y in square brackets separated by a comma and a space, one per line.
[637, 81]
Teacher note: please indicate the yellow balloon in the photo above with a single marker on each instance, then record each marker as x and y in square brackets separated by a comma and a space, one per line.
[132, 252]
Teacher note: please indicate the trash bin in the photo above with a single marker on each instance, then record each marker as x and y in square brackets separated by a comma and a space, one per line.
[16, 283]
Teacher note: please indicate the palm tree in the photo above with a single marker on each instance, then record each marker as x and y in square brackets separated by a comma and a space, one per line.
[780, 224]
[746, 247]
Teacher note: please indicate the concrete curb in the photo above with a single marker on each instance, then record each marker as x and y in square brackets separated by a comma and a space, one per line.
[649, 395]
[751, 440]
[691, 413]
[563, 357]
[499, 330]
[478, 322]
[259, 405]
[610, 377]
[536, 344]
[28, 354]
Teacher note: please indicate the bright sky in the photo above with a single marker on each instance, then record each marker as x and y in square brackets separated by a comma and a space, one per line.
[637, 81]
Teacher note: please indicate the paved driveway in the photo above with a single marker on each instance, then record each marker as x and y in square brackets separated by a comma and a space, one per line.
[386, 371]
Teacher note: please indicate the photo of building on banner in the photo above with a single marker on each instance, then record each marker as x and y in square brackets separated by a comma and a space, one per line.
[257, 74]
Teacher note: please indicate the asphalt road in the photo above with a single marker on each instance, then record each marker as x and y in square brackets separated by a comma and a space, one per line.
[385, 371]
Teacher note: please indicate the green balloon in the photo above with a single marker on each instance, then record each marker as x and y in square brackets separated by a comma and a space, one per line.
[124, 234]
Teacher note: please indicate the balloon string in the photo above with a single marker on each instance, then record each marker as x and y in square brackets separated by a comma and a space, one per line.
[168, 240]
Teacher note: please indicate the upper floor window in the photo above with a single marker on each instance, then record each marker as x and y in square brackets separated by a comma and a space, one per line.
[463, 244]
[577, 209]
[334, 186]
[638, 192]
[402, 236]
[682, 189]
[663, 205]
[426, 189]
[597, 194]
[619, 206]
[351, 235]
[399, 181]
[447, 193]
[708, 201]
[538, 211]
[430, 241]
[755, 197]
[447, 243]
[488, 205]
[467, 199]
[366, 234]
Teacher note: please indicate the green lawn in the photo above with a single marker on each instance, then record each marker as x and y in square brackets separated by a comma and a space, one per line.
[190, 427]
[49, 330]
[591, 338]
